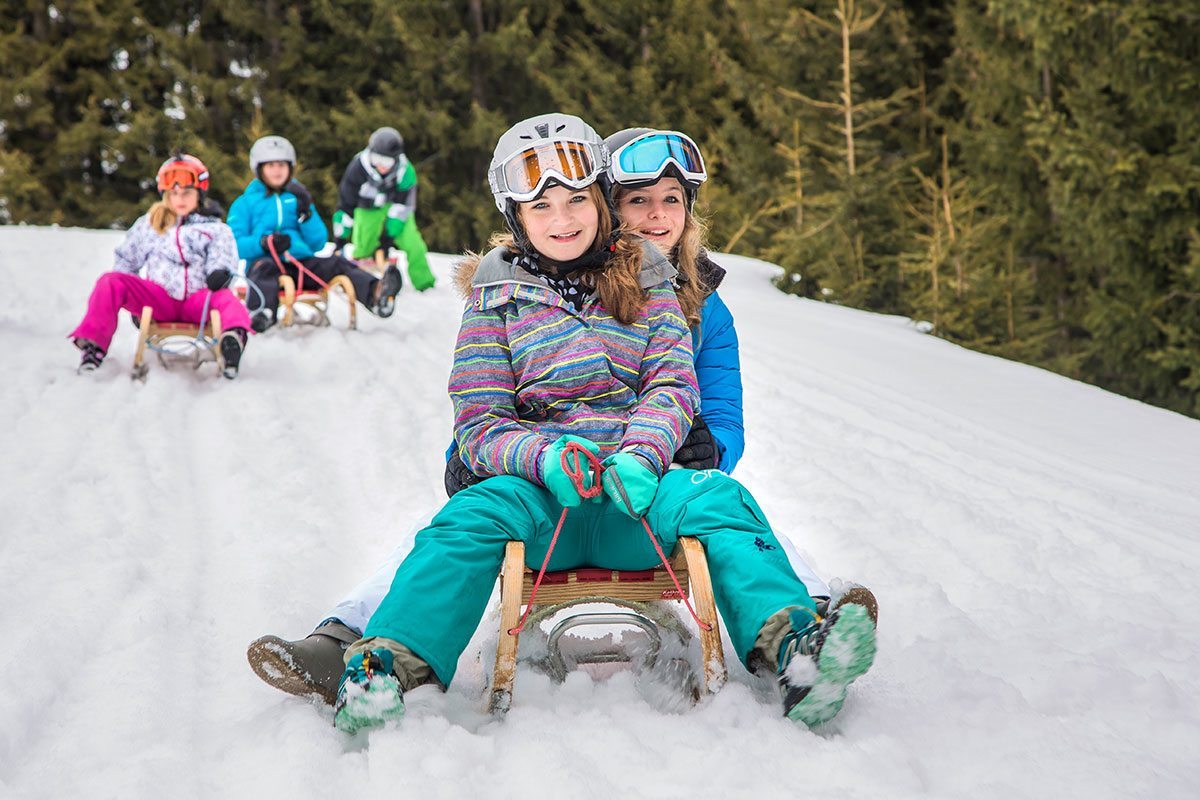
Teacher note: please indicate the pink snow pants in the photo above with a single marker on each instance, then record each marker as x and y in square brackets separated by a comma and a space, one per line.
[119, 290]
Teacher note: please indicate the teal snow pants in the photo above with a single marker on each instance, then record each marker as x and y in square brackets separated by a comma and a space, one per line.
[441, 590]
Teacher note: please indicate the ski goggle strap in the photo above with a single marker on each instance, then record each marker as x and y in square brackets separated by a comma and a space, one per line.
[523, 175]
[381, 162]
[648, 156]
[182, 176]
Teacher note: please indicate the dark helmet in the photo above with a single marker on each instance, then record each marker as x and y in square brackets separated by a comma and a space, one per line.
[387, 142]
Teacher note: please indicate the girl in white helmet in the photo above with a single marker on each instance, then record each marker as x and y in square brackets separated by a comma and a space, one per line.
[574, 345]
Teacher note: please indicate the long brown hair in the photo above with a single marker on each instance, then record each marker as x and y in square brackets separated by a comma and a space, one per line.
[616, 283]
[690, 289]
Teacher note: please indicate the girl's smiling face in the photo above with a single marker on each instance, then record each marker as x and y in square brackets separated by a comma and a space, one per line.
[182, 201]
[657, 213]
[562, 223]
[275, 173]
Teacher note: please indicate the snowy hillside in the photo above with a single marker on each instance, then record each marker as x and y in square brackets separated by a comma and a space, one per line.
[1034, 544]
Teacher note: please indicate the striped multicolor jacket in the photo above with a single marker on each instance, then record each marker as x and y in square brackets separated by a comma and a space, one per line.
[529, 368]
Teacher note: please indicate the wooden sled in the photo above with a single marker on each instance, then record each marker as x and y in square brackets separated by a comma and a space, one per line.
[178, 341]
[642, 591]
[317, 299]
[375, 266]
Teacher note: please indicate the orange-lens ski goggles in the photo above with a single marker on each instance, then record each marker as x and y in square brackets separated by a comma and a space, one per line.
[524, 175]
[179, 176]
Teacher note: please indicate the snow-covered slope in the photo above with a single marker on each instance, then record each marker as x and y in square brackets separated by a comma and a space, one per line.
[1033, 543]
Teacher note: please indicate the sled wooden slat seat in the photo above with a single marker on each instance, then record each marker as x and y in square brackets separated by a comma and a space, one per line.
[154, 334]
[317, 298]
[635, 586]
[645, 585]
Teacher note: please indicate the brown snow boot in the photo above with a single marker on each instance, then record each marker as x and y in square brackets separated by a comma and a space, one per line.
[309, 667]
[856, 594]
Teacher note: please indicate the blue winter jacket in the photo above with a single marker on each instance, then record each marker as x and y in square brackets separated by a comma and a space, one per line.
[259, 211]
[719, 374]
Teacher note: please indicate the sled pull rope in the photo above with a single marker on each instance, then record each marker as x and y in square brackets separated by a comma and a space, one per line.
[303, 270]
[575, 471]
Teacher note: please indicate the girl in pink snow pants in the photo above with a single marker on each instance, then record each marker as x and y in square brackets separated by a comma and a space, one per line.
[188, 255]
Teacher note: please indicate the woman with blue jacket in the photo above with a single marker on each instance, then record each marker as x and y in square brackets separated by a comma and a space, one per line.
[275, 213]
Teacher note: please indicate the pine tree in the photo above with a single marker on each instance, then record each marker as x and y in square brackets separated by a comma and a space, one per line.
[849, 227]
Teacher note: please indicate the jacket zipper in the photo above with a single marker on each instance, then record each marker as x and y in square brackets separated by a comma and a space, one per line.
[179, 247]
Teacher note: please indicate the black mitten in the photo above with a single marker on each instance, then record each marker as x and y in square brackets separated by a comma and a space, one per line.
[218, 279]
[303, 200]
[458, 476]
[699, 449]
[282, 242]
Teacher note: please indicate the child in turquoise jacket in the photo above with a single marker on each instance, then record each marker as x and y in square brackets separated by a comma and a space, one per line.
[276, 212]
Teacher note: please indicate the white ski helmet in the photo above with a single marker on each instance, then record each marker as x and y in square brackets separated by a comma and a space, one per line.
[550, 147]
[271, 148]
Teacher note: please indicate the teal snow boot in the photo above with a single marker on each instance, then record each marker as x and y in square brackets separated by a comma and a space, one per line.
[819, 659]
[369, 694]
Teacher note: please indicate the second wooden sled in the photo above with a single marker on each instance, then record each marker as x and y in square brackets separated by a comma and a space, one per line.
[316, 299]
[180, 341]
[642, 592]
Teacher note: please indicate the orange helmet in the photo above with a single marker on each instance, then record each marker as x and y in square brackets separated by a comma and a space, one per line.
[185, 171]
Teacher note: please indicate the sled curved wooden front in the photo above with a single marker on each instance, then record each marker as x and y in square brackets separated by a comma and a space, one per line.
[645, 586]
[154, 334]
[317, 298]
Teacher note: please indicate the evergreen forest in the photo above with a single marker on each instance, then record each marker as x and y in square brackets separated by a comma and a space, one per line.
[1023, 176]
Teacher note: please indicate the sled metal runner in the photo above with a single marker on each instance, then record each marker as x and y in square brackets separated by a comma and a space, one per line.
[317, 300]
[177, 342]
[642, 592]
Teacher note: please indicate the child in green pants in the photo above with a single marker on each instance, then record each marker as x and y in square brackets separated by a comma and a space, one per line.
[377, 203]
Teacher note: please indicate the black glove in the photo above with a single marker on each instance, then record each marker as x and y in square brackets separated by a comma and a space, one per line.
[458, 476]
[386, 242]
[303, 200]
[282, 242]
[340, 242]
[699, 449]
[218, 279]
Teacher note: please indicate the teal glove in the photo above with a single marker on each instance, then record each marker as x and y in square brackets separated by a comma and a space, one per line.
[556, 479]
[630, 483]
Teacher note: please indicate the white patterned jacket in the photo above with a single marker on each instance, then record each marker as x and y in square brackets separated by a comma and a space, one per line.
[179, 259]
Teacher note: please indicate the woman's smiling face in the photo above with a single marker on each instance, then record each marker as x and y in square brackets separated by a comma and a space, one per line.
[562, 223]
[657, 213]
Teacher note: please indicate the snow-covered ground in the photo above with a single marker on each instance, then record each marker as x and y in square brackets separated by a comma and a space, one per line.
[1033, 543]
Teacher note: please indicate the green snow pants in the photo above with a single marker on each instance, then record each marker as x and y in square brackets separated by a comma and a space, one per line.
[441, 590]
[370, 223]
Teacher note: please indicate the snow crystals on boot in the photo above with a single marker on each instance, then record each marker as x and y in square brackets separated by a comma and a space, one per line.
[818, 663]
[369, 695]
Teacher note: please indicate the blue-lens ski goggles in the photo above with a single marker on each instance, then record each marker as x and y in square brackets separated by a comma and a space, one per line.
[645, 159]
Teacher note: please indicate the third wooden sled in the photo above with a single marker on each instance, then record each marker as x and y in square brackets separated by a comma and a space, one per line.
[642, 593]
[179, 341]
[316, 299]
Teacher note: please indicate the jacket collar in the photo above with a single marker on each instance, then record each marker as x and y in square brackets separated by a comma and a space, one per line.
[497, 267]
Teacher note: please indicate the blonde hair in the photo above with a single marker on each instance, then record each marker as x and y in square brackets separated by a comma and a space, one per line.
[691, 289]
[162, 216]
